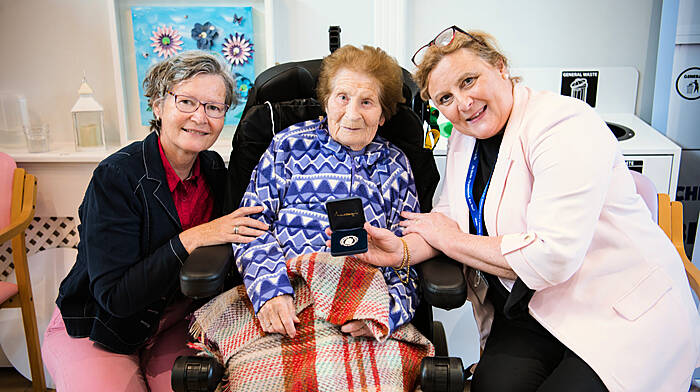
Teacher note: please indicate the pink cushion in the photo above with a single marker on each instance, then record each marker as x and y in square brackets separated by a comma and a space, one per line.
[646, 189]
[7, 170]
[7, 290]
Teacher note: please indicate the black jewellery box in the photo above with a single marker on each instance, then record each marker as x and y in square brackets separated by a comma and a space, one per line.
[346, 217]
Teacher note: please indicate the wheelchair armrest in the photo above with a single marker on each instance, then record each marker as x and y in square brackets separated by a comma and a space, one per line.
[443, 282]
[203, 273]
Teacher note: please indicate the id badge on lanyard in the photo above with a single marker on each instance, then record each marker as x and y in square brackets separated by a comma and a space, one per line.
[476, 212]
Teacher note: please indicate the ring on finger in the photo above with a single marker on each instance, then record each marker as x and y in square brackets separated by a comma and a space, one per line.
[235, 229]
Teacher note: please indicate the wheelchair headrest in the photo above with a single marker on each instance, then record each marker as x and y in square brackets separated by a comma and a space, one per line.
[288, 81]
[297, 80]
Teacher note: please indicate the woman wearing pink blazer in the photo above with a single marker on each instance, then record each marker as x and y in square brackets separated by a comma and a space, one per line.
[573, 285]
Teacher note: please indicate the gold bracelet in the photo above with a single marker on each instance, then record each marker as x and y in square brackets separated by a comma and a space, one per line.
[408, 256]
[402, 264]
[405, 263]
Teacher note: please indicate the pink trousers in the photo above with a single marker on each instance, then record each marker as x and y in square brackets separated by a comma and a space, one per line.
[77, 364]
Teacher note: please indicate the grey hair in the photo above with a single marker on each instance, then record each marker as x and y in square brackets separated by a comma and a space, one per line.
[165, 75]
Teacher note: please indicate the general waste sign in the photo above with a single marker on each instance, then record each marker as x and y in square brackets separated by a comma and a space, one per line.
[582, 85]
[687, 85]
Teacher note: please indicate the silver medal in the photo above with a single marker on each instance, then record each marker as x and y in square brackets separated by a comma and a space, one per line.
[348, 240]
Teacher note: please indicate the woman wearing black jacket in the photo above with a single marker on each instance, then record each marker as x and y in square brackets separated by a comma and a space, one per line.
[120, 321]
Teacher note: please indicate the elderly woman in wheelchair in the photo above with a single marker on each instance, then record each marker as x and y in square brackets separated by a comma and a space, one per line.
[305, 318]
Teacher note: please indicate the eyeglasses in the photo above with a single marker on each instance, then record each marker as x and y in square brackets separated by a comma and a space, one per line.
[444, 38]
[188, 104]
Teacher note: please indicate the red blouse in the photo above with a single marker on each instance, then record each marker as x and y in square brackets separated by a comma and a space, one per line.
[193, 201]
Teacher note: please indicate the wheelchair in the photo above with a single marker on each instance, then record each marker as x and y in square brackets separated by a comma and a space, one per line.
[282, 96]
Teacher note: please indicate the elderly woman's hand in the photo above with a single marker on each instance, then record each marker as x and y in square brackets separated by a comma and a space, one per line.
[278, 315]
[234, 227]
[356, 328]
[435, 228]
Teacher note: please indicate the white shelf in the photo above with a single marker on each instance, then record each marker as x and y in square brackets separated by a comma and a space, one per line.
[64, 153]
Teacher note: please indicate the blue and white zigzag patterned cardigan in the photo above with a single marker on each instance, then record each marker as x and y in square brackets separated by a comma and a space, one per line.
[301, 170]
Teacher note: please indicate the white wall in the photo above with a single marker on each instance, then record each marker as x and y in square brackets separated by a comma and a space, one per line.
[44, 47]
[301, 26]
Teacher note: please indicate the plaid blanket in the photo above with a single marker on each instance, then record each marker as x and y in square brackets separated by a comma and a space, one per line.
[329, 291]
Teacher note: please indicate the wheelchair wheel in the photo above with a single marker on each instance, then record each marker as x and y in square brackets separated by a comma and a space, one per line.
[196, 374]
[441, 374]
[439, 340]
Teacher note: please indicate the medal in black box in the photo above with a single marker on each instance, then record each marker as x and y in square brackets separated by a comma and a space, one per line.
[346, 217]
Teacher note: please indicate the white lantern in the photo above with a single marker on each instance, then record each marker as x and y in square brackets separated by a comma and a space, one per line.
[88, 121]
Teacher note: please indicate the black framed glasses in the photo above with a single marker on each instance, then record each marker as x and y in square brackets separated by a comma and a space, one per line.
[444, 38]
[187, 104]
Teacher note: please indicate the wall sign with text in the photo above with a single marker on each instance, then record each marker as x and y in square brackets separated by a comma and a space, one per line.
[582, 85]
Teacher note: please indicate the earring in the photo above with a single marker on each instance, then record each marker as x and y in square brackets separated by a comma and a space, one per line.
[505, 76]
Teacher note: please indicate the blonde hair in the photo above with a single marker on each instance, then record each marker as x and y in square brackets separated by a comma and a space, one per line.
[165, 75]
[371, 61]
[484, 46]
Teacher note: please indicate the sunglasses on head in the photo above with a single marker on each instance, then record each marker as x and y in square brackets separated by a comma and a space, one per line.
[444, 38]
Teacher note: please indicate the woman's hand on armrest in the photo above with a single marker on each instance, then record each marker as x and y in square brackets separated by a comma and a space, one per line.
[234, 227]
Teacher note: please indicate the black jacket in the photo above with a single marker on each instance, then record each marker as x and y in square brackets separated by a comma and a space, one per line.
[129, 255]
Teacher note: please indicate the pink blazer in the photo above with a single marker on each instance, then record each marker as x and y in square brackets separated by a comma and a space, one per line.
[609, 283]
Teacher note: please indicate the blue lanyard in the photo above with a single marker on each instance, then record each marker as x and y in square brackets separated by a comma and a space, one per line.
[476, 213]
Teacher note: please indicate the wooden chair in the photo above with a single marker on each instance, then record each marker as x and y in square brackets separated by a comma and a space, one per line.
[22, 207]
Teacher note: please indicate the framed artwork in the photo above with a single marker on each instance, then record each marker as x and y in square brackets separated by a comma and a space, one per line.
[161, 32]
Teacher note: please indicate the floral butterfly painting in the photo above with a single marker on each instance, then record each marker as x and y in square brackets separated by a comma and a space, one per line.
[161, 32]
